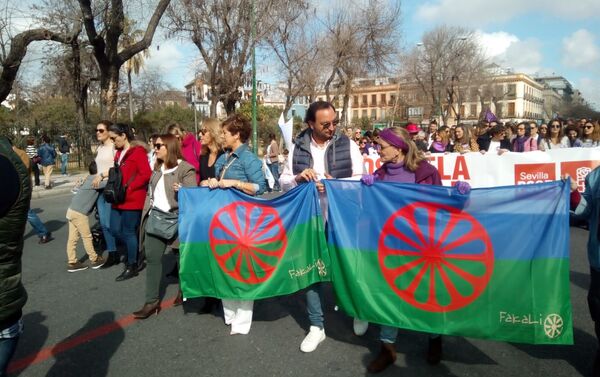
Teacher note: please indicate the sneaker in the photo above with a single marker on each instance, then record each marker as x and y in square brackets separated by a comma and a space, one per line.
[315, 336]
[99, 262]
[77, 266]
[45, 238]
[360, 327]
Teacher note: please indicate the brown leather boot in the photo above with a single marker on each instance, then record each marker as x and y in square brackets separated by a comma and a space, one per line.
[147, 310]
[386, 357]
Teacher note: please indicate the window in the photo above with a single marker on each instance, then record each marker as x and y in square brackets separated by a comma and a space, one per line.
[355, 101]
[473, 110]
[373, 114]
[511, 109]
[462, 110]
[392, 100]
[382, 114]
[364, 113]
[373, 99]
[354, 114]
[293, 113]
[364, 100]
[383, 99]
[511, 90]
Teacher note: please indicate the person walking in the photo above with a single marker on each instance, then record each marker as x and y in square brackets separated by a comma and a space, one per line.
[238, 169]
[190, 148]
[14, 204]
[79, 226]
[34, 159]
[587, 206]
[273, 160]
[105, 156]
[403, 164]
[317, 153]
[125, 217]
[47, 159]
[64, 148]
[170, 173]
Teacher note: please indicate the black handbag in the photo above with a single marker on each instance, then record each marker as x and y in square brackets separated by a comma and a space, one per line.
[162, 224]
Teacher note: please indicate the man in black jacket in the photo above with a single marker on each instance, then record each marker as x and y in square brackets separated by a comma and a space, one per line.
[14, 205]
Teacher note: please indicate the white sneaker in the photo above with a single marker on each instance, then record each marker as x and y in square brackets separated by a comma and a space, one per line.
[360, 327]
[312, 340]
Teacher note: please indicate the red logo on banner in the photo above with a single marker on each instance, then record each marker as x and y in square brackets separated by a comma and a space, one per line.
[526, 174]
[578, 170]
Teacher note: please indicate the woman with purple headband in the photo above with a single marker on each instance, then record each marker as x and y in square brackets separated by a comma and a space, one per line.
[403, 164]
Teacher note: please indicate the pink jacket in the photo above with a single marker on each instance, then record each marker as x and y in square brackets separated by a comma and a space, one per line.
[190, 148]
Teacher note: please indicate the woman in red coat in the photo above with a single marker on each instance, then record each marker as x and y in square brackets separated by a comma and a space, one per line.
[125, 217]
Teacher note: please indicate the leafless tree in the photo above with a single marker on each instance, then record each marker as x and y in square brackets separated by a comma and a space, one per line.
[445, 63]
[222, 32]
[360, 40]
[109, 15]
[13, 48]
[294, 42]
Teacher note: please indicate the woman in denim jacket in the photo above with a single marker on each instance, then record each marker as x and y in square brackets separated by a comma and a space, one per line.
[239, 169]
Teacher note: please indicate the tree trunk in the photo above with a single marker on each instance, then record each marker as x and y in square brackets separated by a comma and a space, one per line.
[109, 93]
[230, 105]
[130, 95]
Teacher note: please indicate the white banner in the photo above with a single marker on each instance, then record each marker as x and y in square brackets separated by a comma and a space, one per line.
[491, 170]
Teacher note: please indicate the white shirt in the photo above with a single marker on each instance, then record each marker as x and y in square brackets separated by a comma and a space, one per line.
[288, 178]
[159, 197]
[494, 146]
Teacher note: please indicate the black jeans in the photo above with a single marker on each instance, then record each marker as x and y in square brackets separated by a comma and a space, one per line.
[36, 171]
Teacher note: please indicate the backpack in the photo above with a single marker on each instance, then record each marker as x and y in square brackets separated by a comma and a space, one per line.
[114, 191]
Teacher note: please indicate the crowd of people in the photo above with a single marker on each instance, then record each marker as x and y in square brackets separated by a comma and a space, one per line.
[492, 137]
[134, 187]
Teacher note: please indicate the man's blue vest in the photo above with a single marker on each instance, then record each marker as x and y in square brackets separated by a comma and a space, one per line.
[338, 162]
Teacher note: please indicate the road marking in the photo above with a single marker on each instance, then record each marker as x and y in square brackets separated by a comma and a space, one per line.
[47, 352]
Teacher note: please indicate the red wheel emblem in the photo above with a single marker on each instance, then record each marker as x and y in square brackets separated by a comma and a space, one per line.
[247, 240]
[435, 257]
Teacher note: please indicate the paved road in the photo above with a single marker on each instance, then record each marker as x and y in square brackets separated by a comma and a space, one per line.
[67, 308]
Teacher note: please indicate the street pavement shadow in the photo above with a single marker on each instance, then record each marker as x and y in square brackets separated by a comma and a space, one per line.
[91, 357]
[579, 357]
[31, 341]
[582, 280]
[52, 226]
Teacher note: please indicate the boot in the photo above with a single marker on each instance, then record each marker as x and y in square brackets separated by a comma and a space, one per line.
[178, 299]
[434, 352]
[174, 274]
[128, 273]
[386, 357]
[147, 310]
[210, 303]
[111, 260]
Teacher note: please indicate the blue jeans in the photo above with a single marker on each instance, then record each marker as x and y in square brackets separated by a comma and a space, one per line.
[313, 305]
[7, 350]
[388, 334]
[64, 159]
[123, 225]
[104, 211]
[36, 223]
[274, 168]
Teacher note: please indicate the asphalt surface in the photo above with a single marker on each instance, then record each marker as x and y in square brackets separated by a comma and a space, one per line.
[180, 342]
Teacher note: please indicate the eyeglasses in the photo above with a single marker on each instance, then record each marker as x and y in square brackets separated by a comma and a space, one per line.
[555, 126]
[158, 145]
[329, 124]
[204, 130]
[544, 128]
[100, 130]
[588, 127]
[521, 129]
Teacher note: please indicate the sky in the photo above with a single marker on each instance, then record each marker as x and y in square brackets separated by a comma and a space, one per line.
[537, 37]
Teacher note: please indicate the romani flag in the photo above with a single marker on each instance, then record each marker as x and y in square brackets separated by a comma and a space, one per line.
[491, 264]
[236, 246]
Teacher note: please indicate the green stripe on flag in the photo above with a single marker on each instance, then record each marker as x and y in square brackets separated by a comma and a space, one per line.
[304, 263]
[524, 301]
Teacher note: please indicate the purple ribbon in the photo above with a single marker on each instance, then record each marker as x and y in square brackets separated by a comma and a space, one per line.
[389, 136]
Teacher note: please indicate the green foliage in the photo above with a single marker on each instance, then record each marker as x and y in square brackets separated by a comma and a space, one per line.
[157, 121]
[267, 118]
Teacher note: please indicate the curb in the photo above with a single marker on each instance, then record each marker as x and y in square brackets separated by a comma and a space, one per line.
[41, 194]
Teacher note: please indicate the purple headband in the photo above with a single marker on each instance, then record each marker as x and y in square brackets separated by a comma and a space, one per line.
[389, 136]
